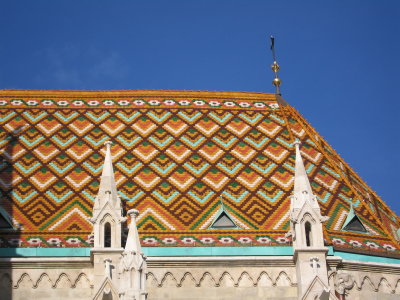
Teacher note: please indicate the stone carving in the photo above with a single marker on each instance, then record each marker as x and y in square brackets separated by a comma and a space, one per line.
[220, 279]
[62, 280]
[343, 282]
[314, 264]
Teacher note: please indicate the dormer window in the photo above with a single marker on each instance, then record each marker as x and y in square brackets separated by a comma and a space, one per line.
[353, 223]
[223, 219]
[5, 220]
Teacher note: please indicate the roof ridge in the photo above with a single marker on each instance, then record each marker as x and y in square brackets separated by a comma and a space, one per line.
[150, 93]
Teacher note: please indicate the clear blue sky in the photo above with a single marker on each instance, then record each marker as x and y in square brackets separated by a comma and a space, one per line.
[339, 60]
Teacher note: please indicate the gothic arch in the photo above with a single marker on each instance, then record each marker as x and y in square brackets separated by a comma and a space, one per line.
[226, 280]
[63, 281]
[187, 280]
[282, 279]
[207, 280]
[169, 280]
[82, 281]
[245, 280]
[44, 281]
[264, 279]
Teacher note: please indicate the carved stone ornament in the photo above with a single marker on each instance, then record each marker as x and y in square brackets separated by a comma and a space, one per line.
[343, 282]
[323, 219]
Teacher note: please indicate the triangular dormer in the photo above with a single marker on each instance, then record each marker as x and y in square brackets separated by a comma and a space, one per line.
[107, 209]
[5, 220]
[223, 220]
[353, 222]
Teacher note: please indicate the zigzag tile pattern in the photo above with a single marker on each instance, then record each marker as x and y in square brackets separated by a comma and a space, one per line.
[173, 161]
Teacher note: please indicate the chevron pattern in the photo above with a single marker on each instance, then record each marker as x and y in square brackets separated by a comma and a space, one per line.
[173, 158]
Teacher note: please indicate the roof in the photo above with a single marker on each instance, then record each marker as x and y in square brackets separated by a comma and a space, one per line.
[175, 153]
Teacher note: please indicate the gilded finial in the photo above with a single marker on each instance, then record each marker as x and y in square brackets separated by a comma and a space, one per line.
[275, 68]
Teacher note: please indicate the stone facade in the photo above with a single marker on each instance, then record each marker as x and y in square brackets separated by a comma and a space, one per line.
[261, 277]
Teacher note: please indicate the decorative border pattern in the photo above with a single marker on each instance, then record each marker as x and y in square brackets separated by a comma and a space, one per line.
[139, 103]
[149, 240]
[215, 240]
[362, 244]
[238, 240]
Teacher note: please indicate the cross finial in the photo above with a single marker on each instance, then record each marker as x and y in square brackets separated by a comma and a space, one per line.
[275, 68]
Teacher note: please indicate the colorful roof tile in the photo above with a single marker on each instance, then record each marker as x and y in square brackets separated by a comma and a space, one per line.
[174, 154]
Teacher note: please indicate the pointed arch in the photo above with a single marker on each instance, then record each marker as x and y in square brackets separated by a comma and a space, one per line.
[385, 287]
[82, 281]
[245, 280]
[308, 234]
[208, 280]
[107, 235]
[264, 279]
[169, 280]
[187, 280]
[282, 279]
[63, 281]
[44, 281]
[152, 281]
[367, 282]
[226, 280]
[24, 279]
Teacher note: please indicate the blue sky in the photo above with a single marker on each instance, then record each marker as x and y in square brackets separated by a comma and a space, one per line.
[339, 60]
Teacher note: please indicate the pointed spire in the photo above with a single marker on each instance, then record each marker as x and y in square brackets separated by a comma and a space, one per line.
[108, 188]
[107, 167]
[301, 181]
[133, 264]
[133, 241]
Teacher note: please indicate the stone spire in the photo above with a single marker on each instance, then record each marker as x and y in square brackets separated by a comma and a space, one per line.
[301, 182]
[302, 188]
[133, 241]
[303, 201]
[107, 231]
[108, 188]
[133, 265]
[307, 235]
[107, 209]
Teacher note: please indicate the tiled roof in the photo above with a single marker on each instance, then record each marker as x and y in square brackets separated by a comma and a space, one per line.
[175, 153]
